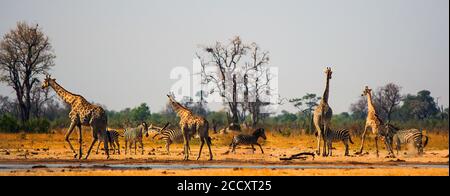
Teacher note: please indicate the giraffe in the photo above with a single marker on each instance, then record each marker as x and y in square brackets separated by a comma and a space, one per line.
[191, 124]
[82, 113]
[373, 121]
[322, 115]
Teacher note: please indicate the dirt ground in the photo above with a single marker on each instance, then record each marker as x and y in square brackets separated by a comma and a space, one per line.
[42, 149]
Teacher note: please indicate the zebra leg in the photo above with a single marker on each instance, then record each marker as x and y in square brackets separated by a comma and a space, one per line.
[253, 149]
[262, 151]
[167, 147]
[118, 146]
[346, 148]
[201, 147]
[234, 148]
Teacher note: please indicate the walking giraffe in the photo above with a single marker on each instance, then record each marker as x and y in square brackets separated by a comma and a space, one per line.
[373, 121]
[191, 124]
[82, 113]
[322, 115]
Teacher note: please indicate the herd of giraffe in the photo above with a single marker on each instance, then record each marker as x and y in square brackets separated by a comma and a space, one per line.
[87, 114]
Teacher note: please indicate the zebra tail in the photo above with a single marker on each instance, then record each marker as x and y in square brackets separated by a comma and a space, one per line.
[426, 141]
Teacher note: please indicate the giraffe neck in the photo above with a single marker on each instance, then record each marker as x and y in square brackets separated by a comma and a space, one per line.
[180, 110]
[65, 95]
[370, 103]
[327, 89]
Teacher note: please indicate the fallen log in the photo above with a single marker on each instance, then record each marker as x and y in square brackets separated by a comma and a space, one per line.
[299, 156]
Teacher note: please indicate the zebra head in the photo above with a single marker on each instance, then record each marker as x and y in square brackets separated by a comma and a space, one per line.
[145, 128]
[260, 132]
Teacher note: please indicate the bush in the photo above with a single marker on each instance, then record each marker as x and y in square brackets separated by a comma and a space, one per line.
[37, 125]
[9, 124]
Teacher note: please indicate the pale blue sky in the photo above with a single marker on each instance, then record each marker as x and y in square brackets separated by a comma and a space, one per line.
[120, 53]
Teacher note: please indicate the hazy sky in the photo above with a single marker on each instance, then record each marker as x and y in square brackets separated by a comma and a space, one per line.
[120, 53]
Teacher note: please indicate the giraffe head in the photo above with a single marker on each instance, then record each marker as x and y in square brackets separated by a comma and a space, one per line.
[172, 101]
[366, 91]
[46, 82]
[328, 72]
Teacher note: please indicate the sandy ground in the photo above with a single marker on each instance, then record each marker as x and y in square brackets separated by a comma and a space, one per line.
[51, 149]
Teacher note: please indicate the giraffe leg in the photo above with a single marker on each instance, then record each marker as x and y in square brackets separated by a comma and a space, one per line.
[106, 146]
[135, 147]
[325, 142]
[167, 148]
[80, 141]
[253, 149]
[319, 137]
[376, 145]
[126, 145]
[67, 137]
[362, 140]
[95, 138]
[142, 147]
[201, 147]
[98, 146]
[185, 143]
[208, 143]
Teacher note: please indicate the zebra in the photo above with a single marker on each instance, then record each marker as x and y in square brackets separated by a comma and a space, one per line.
[113, 140]
[248, 140]
[168, 135]
[336, 136]
[134, 135]
[406, 136]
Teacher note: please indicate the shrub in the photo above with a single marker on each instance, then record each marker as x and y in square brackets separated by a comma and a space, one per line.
[37, 125]
[8, 124]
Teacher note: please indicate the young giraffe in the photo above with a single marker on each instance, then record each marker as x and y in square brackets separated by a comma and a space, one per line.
[322, 115]
[191, 124]
[373, 121]
[82, 113]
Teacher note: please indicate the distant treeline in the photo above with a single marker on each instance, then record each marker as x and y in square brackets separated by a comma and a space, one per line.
[418, 111]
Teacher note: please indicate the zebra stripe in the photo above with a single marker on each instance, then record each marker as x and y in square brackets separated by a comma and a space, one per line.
[336, 136]
[406, 136]
[168, 135]
[113, 139]
[135, 135]
[248, 139]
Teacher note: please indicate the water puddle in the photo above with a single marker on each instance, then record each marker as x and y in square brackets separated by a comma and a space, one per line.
[4, 167]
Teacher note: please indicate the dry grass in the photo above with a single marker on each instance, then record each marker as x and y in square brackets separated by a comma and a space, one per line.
[52, 147]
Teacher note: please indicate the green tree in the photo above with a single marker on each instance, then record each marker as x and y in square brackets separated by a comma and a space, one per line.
[140, 113]
[420, 106]
[306, 105]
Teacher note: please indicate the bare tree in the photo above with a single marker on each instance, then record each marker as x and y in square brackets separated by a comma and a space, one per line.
[25, 53]
[387, 98]
[240, 77]
[226, 59]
